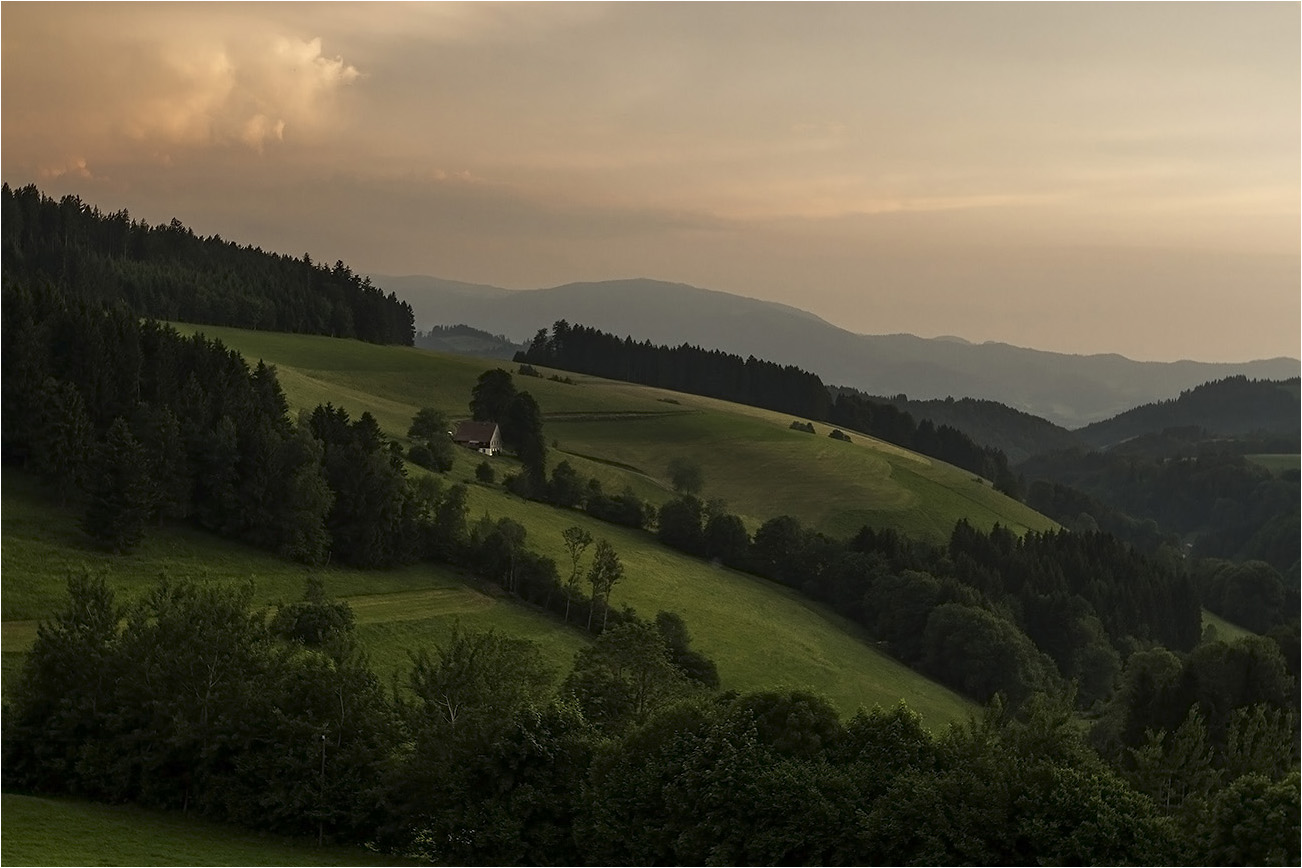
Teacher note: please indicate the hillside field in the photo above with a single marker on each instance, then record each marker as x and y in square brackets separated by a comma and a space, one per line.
[760, 634]
[627, 434]
[1277, 463]
[41, 831]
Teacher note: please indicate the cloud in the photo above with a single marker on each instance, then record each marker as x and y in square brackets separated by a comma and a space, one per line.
[119, 83]
[74, 168]
[250, 93]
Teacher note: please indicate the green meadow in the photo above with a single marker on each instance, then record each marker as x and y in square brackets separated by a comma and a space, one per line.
[626, 435]
[1225, 631]
[760, 634]
[1277, 463]
[40, 831]
[397, 610]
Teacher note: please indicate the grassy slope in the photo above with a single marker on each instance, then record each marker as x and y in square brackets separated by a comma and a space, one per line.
[1277, 464]
[1226, 631]
[761, 635]
[396, 609]
[66, 832]
[627, 434]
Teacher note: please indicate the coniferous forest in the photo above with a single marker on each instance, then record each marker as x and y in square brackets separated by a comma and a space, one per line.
[167, 272]
[1114, 730]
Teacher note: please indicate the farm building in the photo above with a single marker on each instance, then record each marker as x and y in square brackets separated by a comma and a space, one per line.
[483, 437]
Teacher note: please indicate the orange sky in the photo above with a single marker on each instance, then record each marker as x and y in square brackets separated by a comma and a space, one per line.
[1077, 177]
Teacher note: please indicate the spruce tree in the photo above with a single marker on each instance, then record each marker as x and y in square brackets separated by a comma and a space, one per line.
[62, 437]
[120, 491]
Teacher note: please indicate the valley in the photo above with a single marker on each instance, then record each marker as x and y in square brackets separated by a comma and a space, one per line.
[247, 576]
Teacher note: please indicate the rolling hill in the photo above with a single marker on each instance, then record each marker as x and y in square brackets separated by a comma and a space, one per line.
[626, 435]
[623, 434]
[1068, 390]
[1018, 435]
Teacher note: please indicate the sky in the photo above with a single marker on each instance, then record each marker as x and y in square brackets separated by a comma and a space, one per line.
[1093, 177]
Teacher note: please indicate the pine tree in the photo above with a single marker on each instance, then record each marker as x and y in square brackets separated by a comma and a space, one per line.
[120, 491]
[62, 437]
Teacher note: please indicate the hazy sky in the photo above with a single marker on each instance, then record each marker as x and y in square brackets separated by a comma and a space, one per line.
[1078, 177]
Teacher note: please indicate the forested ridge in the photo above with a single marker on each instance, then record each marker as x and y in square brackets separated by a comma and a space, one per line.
[1017, 434]
[1228, 506]
[167, 272]
[758, 383]
[1233, 406]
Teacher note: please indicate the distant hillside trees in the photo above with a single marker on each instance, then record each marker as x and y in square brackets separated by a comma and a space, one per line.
[1181, 470]
[683, 369]
[1080, 512]
[1017, 434]
[758, 383]
[853, 410]
[1233, 406]
[467, 341]
[169, 273]
[1230, 507]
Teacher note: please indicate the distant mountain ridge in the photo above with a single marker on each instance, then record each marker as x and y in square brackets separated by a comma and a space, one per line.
[1068, 390]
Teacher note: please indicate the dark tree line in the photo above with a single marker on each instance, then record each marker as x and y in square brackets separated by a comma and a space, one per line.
[1078, 511]
[167, 272]
[1234, 406]
[1017, 434]
[144, 425]
[567, 489]
[1230, 507]
[888, 422]
[189, 700]
[987, 613]
[758, 383]
[685, 368]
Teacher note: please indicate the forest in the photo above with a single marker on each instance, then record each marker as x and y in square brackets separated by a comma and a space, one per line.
[168, 273]
[188, 699]
[1115, 730]
[1177, 474]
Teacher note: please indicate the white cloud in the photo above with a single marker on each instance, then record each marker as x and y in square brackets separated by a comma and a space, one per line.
[74, 168]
